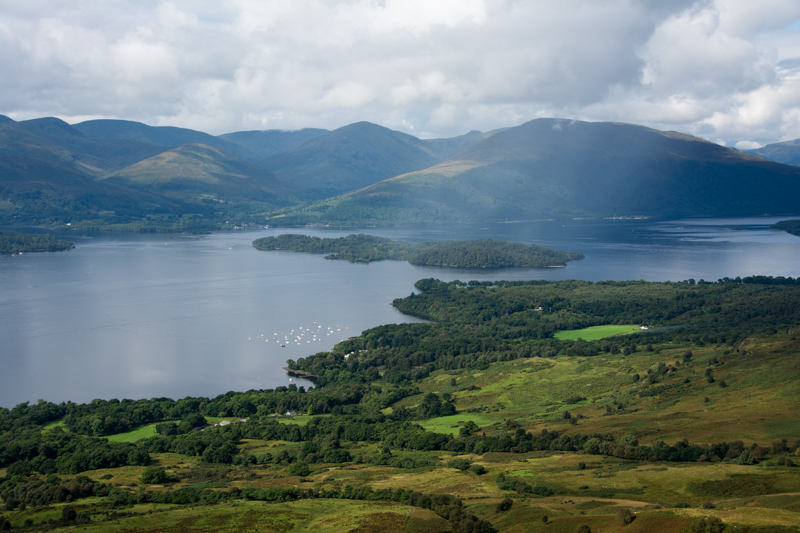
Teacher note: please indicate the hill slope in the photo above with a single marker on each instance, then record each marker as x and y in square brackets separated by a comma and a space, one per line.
[352, 157]
[556, 168]
[97, 156]
[197, 171]
[164, 136]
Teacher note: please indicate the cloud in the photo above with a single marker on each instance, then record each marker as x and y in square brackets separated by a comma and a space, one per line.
[724, 69]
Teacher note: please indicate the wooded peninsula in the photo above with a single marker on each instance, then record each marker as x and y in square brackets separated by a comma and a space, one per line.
[12, 242]
[479, 420]
[480, 253]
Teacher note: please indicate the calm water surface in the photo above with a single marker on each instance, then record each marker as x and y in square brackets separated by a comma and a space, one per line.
[140, 316]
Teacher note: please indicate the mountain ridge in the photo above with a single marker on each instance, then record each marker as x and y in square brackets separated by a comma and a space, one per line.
[365, 174]
[549, 168]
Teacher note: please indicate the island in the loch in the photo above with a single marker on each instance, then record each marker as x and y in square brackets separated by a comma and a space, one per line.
[790, 226]
[481, 253]
[13, 242]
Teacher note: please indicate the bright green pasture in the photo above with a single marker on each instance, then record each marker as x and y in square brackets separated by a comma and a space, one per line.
[452, 424]
[54, 424]
[596, 332]
[134, 435]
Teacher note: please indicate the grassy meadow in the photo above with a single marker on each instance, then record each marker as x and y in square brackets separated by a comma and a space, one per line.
[596, 332]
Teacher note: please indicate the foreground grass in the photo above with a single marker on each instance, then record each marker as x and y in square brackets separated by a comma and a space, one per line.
[324, 516]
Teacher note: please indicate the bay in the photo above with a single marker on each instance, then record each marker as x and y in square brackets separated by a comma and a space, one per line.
[140, 316]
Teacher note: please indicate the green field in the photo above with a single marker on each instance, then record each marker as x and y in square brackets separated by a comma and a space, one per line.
[143, 432]
[596, 332]
[452, 424]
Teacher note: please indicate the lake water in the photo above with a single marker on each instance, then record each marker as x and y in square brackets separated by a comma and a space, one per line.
[141, 316]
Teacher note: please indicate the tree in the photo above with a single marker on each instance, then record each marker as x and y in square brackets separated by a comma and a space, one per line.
[505, 505]
[154, 475]
[68, 514]
[298, 469]
[469, 428]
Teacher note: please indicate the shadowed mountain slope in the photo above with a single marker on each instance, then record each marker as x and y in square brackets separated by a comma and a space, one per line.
[356, 156]
[196, 171]
[97, 156]
[558, 168]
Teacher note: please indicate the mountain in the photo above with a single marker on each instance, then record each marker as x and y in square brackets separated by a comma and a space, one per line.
[787, 152]
[38, 189]
[266, 143]
[97, 156]
[193, 172]
[445, 148]
[163, 136]
[51, 172]
[355, 156]
[558, 168]
[5, 120]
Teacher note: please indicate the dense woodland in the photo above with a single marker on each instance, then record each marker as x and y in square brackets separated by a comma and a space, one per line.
[12, 242]
[791, 226]
[368, 393]
[481, 253]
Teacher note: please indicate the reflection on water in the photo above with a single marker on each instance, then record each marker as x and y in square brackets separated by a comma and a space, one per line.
[135, 316]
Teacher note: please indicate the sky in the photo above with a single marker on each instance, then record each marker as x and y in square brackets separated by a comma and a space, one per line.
[724, 70]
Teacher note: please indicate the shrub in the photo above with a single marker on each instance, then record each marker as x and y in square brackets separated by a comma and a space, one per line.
[460, 464]
[478, 470]
[707, 524]
[625, 516]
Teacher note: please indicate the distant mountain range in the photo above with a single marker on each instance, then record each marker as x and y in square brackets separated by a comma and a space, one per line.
[787, 152]
[123, 172]
[558, 168]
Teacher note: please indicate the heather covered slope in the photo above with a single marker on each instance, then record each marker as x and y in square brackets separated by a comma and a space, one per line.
[557, 168]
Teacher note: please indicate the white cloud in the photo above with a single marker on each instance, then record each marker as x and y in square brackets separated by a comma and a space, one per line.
[723, 69]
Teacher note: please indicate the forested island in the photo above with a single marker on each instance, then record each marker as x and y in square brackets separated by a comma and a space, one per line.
[791, 226]
[480, 253]
[13, 242]
[478, 420]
